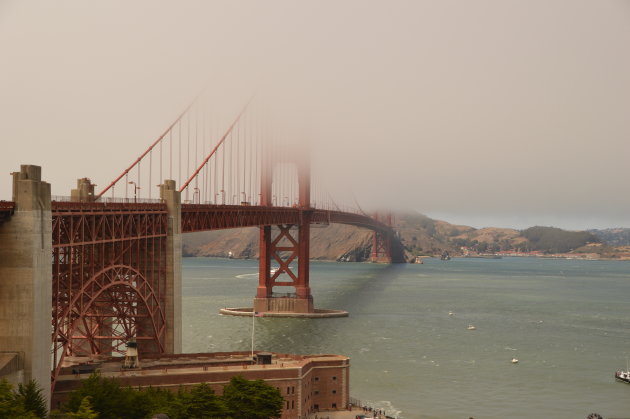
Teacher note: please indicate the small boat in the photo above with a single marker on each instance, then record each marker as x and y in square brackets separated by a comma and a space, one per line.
[471, 327]
[623, 376]
[450, 313]
[514, 361]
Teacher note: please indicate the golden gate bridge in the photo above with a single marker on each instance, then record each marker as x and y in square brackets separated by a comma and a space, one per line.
[116, 253]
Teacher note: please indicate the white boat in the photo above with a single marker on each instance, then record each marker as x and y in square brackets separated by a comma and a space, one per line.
[471, 327]
[623, 376]
[514, 361]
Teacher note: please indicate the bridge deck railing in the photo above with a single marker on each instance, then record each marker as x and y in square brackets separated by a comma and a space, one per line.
[63, 198]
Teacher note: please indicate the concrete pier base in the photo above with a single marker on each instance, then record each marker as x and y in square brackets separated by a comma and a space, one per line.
[284, 304]
[315, 314]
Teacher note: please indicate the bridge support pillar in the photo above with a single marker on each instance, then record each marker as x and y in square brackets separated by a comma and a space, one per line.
[26, 277]
[381, 248]
[173, 292]
[284, 249]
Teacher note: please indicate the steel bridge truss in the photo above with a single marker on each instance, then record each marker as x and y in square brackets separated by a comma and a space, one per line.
[108, 278]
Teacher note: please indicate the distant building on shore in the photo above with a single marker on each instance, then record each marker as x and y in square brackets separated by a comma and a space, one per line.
[308, 383]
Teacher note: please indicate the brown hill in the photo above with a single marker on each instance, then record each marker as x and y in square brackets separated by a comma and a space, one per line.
[419, 234]
[327, 243]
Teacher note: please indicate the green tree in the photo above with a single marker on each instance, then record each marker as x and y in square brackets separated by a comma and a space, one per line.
[84, 411]
[109, 399]
[11, 406]
[31, 397]
[252, 399]
[157, 400]
[199, 403]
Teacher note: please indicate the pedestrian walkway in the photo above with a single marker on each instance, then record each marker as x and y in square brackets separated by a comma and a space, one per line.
[343, 414]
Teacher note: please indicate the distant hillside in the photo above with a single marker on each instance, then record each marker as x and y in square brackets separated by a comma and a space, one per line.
[419, 234]
[422, 235]
[555, 240]
[331, 242]
[613, 236]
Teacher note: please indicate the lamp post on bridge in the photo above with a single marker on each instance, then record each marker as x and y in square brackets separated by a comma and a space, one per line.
[135, 190]
[196, 193]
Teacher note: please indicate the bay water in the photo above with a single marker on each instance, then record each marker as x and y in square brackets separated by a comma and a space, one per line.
[566, 321]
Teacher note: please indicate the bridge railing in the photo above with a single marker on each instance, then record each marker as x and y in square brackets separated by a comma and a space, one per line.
[61, 198]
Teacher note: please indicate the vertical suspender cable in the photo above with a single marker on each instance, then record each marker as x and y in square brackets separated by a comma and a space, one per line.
[187, 149]
[223, 147]
[196, 154]
[179, 179]
[151, 171]
[161, 156]
[238, 161]
[203, 151]
[170, 164]
[244, 157]
[137, 186]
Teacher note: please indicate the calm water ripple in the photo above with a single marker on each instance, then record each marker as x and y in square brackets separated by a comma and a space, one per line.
[565, 320]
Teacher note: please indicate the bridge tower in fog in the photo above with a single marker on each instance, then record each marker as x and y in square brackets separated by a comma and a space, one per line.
[285, 243]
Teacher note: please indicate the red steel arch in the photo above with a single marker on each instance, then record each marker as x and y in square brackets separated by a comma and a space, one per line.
[106, 312]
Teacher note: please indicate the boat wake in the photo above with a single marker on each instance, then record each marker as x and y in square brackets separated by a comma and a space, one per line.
[254, 275]
[244, 276]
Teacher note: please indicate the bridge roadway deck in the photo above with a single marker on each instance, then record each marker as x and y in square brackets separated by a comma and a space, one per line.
[203, 217]
[197, 217]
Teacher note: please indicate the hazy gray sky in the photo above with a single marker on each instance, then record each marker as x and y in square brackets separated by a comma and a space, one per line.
[503, 113]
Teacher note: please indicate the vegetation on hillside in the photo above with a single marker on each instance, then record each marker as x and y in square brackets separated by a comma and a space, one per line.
[613, 236]
[556, 240]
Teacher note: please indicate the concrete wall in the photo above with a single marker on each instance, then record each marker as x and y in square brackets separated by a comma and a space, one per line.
[26, 276]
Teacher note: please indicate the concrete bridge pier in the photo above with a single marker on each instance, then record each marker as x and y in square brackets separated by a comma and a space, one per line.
[173, 293]
[26, 277]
